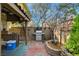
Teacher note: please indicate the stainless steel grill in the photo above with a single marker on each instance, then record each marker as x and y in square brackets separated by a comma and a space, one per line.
[38, 35]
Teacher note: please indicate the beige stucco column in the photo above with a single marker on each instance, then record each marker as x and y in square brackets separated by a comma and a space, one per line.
[4, 20]
[0, 29]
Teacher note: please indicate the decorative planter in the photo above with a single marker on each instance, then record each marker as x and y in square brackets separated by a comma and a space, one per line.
[56, 49]
[53, 49]
[65, 52]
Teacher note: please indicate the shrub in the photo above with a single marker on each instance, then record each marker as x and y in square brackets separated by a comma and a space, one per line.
[73, 42]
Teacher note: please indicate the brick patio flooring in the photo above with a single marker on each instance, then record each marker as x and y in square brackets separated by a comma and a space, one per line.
[36, 49]
[33, 48]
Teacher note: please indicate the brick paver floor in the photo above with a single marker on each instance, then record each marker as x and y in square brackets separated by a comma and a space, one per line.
[36, 49]
[33, 48]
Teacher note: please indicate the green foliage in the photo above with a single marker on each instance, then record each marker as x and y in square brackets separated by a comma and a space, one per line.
[72, 10]
[73, 42]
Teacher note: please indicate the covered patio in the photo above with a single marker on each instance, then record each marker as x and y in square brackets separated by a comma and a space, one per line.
[35, 29]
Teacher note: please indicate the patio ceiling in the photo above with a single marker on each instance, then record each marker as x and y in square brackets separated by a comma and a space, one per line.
[13, 9]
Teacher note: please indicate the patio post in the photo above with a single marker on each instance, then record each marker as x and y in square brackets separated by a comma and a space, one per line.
[26, 38]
